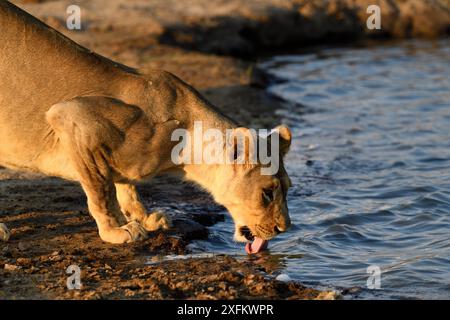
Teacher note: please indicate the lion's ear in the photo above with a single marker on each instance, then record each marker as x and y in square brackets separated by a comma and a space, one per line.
[285, 138]
[242, 144]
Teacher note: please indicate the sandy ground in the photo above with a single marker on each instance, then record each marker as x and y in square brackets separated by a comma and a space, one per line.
[51, 227]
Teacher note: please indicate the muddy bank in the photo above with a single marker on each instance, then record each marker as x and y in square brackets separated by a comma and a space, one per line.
[219, 277]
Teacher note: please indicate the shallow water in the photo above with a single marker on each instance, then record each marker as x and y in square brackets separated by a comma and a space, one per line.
[370, 163]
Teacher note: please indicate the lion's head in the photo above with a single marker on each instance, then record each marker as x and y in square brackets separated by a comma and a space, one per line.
[257, 200]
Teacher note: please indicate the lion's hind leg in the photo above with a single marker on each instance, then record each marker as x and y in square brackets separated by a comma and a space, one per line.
[133, 209]
[4, 232]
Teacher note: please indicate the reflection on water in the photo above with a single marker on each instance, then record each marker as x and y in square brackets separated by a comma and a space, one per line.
[157, 259]
[370, 163]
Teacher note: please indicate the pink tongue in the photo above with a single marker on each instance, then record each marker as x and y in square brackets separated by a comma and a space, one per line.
[258, 245]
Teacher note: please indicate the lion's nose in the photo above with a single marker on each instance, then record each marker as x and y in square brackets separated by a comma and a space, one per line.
[283, 225]
[278, 229]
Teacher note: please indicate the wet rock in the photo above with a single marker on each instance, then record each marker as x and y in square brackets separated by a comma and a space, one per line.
[351, 290]
[283, 278]
[207, 219]
[190, 230]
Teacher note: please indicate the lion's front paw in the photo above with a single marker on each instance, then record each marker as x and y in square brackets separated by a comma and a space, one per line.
[157, 220]
[136, 230]
[132, 231]
[4, 232]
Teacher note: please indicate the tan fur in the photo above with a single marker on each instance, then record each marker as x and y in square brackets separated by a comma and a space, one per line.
[67, 112]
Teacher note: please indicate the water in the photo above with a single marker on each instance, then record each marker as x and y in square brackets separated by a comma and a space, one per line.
[370, 164]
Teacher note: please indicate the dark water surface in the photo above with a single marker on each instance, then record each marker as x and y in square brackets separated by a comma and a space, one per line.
[370, 163]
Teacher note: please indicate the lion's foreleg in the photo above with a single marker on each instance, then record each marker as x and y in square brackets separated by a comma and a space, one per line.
[89, 139]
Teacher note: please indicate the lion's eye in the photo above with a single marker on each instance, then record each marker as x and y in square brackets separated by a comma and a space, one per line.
[267, 196]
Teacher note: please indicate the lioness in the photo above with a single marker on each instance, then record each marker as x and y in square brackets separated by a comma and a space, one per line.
[68, 112]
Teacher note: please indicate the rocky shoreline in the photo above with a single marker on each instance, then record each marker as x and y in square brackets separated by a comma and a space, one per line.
[204, 43]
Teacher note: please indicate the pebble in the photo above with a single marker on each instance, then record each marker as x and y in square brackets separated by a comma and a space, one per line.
[23, 261]
[10, 267]
[283, 277]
